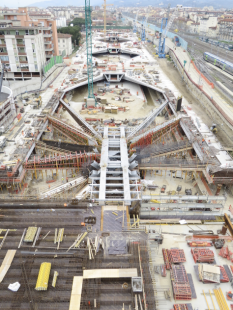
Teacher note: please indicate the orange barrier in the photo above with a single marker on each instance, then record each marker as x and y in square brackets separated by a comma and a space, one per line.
[204, 78]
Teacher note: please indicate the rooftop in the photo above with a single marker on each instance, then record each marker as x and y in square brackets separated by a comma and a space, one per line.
[63, 35]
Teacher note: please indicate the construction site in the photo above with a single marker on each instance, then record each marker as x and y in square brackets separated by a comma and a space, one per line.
[114, 191]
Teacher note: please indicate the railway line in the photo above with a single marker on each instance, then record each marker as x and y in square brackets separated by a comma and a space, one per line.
[212, 74]
[206, 47]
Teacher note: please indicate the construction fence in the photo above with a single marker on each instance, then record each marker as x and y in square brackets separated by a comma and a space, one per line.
[53, 61]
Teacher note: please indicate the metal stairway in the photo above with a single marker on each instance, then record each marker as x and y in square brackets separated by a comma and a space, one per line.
[114, 181]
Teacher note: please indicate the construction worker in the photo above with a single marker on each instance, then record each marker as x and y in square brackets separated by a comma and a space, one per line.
[62, 179]
[203, 140]
[49, 186]
[66, 179]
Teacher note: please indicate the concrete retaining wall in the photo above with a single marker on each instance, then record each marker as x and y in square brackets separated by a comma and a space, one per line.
[211, 107]
[19, 87]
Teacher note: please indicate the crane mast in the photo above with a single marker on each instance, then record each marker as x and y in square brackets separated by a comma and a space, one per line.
[88, 10]
[163, 32]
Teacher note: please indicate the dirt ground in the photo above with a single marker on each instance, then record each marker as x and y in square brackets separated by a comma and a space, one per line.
[173, 74]
[137, 108]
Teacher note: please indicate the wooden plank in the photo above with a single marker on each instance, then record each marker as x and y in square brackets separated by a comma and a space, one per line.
[114, 208]
[110, 273]
[102, 219]
[77, 285]
[75, 301]
[6, 263]
[75, 298]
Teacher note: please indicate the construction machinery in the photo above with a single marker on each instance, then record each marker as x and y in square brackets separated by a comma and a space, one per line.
[88, 10]
[163, 32]
[144, 23]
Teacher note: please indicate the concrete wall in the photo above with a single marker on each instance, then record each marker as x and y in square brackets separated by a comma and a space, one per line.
[19, 87]
[205, 102]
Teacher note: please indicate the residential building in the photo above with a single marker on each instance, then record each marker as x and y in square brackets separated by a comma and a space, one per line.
[39, 20]
[206, 22]
[61, 22]
[226, 29]
[194, 27]
[22, 50]
[65, 43]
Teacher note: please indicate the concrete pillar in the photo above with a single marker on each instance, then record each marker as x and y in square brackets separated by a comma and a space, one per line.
[219, 186]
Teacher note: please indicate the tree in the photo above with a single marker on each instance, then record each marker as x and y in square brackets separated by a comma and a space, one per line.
[74, 31]
[78, 22]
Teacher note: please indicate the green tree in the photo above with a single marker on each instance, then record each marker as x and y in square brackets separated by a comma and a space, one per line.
[74, 31]
[78, 22]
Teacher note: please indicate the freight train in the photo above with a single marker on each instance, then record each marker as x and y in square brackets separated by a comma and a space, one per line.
[219, 62]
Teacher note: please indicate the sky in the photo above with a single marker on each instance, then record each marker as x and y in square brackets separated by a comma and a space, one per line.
[16, 3]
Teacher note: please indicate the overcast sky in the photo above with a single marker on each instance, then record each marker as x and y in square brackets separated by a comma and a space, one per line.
[17, 3]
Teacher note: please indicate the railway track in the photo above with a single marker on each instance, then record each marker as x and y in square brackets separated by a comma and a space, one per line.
[207, 47]
[212, 74]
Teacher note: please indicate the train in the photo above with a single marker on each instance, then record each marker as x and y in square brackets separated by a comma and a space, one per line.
[217, 43]
[219, 62]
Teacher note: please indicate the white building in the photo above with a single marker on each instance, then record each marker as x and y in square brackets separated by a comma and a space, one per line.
[61, 22]
[207, 22]
[24, 55]
[64, 43]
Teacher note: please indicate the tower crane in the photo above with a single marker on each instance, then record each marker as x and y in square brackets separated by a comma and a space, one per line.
[144, 22]
[88, 10]
[163, 32]
[105, 7]
[135, 23]
[1, 76]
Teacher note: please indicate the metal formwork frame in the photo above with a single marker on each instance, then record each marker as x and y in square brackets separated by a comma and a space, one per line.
[88, 21]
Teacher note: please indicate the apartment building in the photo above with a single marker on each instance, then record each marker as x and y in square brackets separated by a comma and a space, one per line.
[61, 11]
[26, 42]
[207, 22]
[65, 43]
[22, 50]
[226, 29]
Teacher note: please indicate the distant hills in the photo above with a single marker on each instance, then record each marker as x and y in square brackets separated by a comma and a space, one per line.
[195, 3]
